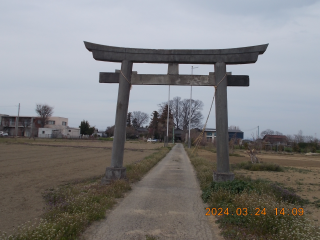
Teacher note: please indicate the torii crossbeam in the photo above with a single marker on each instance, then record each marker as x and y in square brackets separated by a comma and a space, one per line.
[173, 57]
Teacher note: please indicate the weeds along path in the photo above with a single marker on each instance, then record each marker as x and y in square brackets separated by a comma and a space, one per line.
[165, 204]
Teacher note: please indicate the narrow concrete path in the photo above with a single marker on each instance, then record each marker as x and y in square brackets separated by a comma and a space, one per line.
[165, 204]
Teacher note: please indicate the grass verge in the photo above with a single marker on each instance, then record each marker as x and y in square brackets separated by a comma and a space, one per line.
[257, 166]
[246, 208]
[71, 208]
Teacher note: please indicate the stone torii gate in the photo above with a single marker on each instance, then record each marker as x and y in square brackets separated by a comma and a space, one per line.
[173, 57]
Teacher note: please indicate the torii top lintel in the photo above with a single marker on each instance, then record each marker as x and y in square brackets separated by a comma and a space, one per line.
[242, 55]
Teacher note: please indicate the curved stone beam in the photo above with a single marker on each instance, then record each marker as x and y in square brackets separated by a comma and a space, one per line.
[242, 55]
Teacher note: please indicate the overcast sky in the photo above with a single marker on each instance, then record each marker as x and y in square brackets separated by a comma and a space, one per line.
[43, 58]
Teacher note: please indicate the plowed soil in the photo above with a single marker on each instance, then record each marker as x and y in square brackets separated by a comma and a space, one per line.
[27, 169]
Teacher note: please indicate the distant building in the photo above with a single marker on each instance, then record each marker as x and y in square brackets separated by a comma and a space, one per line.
[26, 125]
[179, 135]
[141, 132]
[210, 134]
[101, 134]
[67, 132]
[275, 139]
[29, 126]
[235, 133]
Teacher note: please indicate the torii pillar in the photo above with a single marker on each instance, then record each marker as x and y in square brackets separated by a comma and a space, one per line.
[220, 79]
[223, 169]
[116, 170]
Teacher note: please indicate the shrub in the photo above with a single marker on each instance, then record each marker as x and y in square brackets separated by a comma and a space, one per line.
[287, 149]
[233, 187]
[283, 194]
[257, 166]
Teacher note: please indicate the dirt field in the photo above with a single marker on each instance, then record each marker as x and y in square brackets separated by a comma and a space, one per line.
[28, 167]
[26, 170]
[302, 174]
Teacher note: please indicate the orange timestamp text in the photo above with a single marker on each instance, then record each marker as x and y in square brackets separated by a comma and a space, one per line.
[255, 212]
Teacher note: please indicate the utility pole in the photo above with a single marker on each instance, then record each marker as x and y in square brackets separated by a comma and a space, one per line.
[258, 132]
[173, 134]
[167, 140]
[17, 121]
[189, 142]
[31, 134]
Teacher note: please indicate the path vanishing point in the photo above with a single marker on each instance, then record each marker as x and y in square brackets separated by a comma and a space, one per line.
[165, 204]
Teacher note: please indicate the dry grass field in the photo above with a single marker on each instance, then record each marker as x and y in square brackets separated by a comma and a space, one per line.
[29, 167]
[302, 174]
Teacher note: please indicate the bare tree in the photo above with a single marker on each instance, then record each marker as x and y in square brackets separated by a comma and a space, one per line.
[269, 132]
[130, 132]
[176, 110]
[278, 133]
[232, 127]
[309, 139]
[266, 132]
[139, 118]
[110, 131]
[180, 110]
[196, 115]
[299, 137]
[290, 138]
[44, 111]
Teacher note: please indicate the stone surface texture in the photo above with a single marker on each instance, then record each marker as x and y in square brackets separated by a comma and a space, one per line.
[241, 55]
[175, 79]
[121, 114]
[222, 119]
[113, 174]
[222, 177]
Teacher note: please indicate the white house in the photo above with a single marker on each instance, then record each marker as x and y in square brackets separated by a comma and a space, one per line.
[72, 132]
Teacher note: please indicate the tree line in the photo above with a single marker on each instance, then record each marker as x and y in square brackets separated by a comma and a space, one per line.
[179, 111]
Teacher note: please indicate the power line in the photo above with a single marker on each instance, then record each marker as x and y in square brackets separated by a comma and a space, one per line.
[10, 106]
[251, 129]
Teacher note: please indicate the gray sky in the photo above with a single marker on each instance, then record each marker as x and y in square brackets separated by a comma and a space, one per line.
[43, 58]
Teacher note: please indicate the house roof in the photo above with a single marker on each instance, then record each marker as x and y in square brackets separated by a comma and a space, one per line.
[275, 138]
[214, 130]
[142, 129]
[21, 116]
[234, 130]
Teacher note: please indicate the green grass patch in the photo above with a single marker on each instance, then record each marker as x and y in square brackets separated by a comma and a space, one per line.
[71, 208]
[105, 139]
[235, 155]
[257, 166]
[251, 206]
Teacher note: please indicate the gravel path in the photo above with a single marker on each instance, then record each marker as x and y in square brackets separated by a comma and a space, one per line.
[165, 204]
